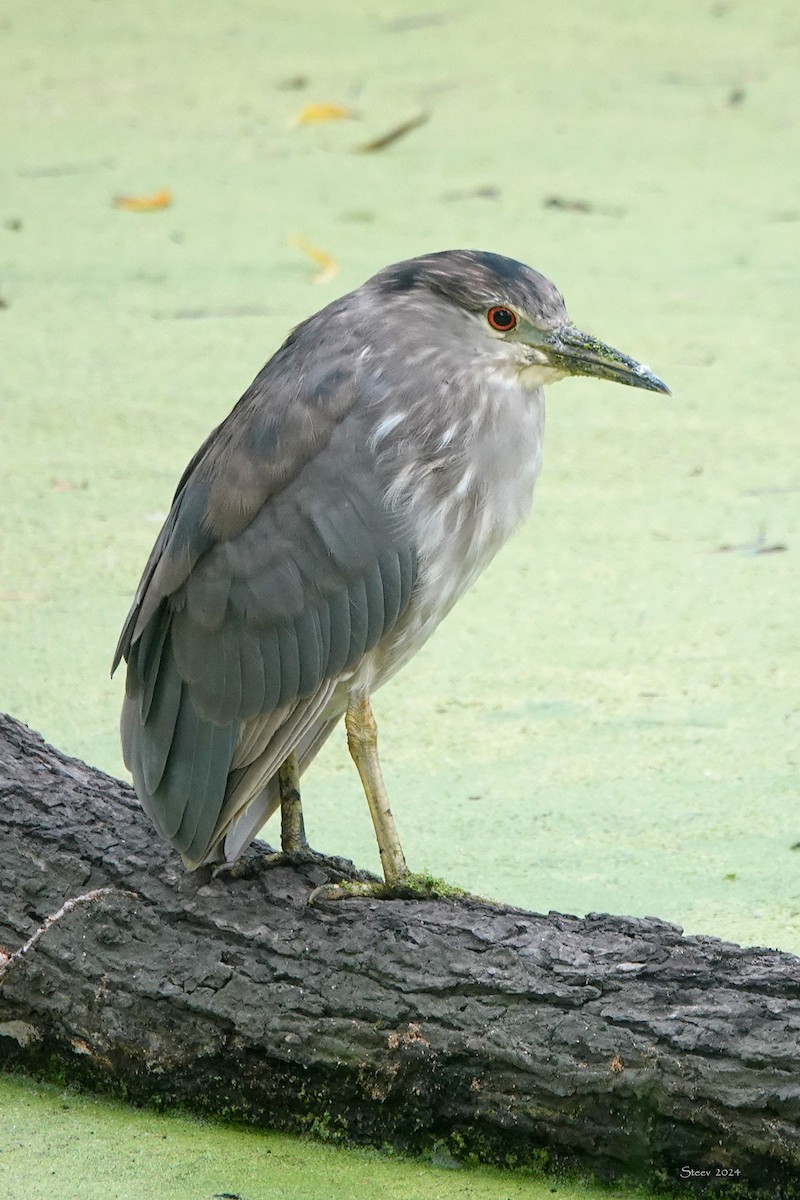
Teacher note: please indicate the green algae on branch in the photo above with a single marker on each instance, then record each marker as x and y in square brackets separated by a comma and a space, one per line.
[415, 886]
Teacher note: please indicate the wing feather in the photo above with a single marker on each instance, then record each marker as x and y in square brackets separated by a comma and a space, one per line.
[391, 585]
[289, 664]
[408, 574]
[251, 665]
[309, 648]
[324, 618]
[376, 603]
[156, 734]
[359, 621]
[340, 631]
[206, 591]
[150, 649]
[270, 656]
[228, 685]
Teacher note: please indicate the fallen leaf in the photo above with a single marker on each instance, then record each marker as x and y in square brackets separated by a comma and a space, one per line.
[393, 135]
[566, 204]
[313, 114]
[158, 200]
[21, 596]
[484, 192]
[327, 264]
[294, 83]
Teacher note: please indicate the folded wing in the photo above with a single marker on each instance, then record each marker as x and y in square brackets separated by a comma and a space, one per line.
[278, 568]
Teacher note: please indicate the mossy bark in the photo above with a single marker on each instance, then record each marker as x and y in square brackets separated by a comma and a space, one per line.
[611, 1045]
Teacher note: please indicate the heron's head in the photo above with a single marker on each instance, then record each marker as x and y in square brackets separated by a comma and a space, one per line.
[496, 311]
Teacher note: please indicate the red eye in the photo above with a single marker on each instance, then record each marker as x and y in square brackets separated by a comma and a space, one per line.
[501, 318]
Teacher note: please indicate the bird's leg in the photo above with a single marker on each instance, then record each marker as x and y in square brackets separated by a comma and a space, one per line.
[295, 850]
[398, 882]
[362, 742]
[294, 843]
[293, 830]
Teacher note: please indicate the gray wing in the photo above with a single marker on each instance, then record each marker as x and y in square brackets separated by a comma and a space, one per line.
[240, 628]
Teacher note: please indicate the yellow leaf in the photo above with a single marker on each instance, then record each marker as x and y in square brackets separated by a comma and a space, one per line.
[161, 199]
[327, 264]
[312, 114]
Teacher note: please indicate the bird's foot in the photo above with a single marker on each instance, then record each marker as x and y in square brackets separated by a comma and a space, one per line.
[251, 865]
[333, 863]
[405, 887]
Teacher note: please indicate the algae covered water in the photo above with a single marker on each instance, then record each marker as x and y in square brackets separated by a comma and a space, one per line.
[610, 720]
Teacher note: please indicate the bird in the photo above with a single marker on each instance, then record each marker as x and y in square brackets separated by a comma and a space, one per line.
[322, 531]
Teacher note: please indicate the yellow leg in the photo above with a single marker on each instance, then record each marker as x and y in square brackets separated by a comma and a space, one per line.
[293, 832]
[362, 741]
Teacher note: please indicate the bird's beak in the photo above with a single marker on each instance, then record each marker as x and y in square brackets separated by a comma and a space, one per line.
[577, 353]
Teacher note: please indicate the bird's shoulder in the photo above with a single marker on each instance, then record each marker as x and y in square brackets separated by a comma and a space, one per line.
[282, 422]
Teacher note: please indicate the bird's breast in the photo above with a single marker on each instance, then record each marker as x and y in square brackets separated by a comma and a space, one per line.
[462, 507]
[463, 518]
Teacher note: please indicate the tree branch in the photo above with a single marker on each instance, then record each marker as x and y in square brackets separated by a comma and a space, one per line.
[611, 1045]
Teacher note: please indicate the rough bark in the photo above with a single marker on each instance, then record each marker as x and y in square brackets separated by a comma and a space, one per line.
[613, 1045]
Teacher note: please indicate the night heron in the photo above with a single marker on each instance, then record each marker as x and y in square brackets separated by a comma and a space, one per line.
[320, 534]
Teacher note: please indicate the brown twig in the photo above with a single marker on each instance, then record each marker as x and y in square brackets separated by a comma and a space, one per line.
[393, 135]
